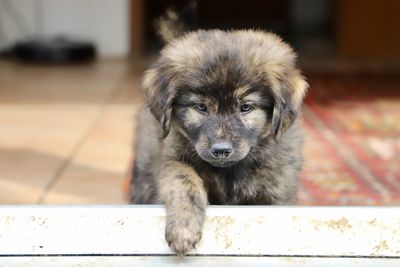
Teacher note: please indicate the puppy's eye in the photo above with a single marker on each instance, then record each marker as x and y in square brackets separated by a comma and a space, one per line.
[246, 108]
[200, 107]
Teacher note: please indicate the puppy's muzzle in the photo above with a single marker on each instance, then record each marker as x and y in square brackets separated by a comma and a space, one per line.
[221, 150]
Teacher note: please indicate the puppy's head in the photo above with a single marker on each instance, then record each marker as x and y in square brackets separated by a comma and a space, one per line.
[225, 91]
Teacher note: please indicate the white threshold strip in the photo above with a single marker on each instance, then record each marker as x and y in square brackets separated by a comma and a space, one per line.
[232, 236]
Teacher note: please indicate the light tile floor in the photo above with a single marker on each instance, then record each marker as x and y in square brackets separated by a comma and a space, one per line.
[66, 132]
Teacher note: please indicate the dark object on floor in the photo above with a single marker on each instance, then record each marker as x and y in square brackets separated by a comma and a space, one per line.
[54, 50]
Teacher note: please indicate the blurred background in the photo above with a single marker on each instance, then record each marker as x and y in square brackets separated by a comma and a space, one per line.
[70, 79]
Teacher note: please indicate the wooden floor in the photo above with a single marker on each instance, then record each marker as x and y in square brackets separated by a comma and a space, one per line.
[66, 132]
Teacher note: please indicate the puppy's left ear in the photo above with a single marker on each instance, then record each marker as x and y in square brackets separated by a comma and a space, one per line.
[158, 90]
[288, 101]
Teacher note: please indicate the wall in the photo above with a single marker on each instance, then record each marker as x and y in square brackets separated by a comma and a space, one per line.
[105, 22]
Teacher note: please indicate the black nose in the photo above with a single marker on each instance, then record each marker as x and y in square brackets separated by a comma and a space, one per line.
[221, 150]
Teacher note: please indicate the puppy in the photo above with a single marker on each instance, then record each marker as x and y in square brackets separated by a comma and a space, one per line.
[221, 127]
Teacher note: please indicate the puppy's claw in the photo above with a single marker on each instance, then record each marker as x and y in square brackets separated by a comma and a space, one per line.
[180, 239]
[181, 248]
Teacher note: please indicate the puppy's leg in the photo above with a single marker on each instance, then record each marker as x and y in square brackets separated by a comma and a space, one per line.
[185, 198]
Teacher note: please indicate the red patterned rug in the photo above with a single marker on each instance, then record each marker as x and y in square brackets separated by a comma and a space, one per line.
[352, 147]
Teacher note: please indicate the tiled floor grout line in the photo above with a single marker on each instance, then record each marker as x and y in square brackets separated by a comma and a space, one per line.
[345, 153]
[74, 151]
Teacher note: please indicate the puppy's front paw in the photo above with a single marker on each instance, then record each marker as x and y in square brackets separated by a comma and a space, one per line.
[183, 233]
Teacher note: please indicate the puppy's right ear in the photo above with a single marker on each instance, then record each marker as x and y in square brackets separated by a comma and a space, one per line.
[288, 100]
[159, 94]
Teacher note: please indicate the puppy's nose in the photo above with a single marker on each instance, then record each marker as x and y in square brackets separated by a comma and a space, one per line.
[221, 150]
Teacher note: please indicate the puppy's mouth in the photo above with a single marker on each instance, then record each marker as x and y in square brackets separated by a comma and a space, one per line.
[222, 164]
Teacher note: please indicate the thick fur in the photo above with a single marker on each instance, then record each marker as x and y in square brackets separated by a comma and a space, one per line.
[222, 71]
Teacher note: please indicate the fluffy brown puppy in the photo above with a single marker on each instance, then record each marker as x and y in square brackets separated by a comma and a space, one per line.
[220, 127]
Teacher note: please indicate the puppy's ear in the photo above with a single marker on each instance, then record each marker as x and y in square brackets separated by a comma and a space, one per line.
[288, 100]
[159, 94]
